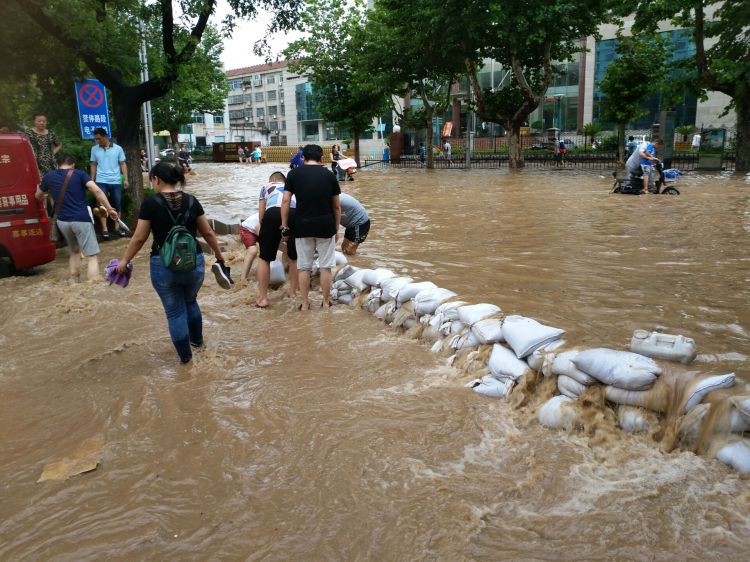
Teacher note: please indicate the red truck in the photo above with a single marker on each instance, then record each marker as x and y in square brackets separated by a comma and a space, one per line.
[24, 227]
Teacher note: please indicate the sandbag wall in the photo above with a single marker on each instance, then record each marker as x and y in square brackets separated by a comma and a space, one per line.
[512, 355]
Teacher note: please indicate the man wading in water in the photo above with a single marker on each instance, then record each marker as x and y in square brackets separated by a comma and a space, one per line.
[317, 220]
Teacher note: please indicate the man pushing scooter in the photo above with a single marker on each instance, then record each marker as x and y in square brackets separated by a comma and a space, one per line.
[642, 163]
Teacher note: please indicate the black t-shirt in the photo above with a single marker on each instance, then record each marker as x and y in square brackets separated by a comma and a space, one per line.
[153, 210]
[313, 187]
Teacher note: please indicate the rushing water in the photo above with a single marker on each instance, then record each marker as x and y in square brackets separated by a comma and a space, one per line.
[330, 436]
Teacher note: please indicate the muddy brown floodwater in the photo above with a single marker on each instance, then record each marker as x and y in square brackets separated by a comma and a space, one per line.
[329, 436]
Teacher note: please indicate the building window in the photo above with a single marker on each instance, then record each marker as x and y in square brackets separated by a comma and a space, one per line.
[272, 111]
[198, 118]
[260, 112]
[271, 95]
[257, 80]
[248, 98]
[235, 84]
[237, 114]
[270, 79]
[282, 140]
[311, 132]
[218, 119]
[283, 125]
[273, 125]
[259, 96]
[234, 100]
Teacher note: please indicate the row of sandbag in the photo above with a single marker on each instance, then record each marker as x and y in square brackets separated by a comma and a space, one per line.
[521, 345]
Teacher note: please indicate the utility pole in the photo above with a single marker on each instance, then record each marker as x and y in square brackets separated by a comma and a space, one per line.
[147, 122]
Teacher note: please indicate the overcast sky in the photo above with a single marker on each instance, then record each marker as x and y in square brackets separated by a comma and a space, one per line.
[238, 51]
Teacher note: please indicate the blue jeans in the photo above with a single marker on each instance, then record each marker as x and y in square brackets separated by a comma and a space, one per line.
[178, 293]
[113, 191]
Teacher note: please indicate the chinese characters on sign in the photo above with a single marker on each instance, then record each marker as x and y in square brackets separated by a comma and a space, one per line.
[91, 98]
[5, 159]
[26, 232]
[14, 201]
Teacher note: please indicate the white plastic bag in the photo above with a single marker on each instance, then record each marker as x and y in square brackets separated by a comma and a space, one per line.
[557, 413]
[391, 286]
[472, 313]
[425, 302]
[569, 387]
[489, 330]
[736, 455]
[277, 275]
[504, 364]
[704, 386]
[623, 369]
[374, 277]
[525, 335]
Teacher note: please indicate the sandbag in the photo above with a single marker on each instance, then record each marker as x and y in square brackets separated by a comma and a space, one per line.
[410, 290]
[427, 301]
[542, 359]
[345, 299]
[464, 341]
[489, 330]
[448, 311]
[562, 364]
[373, 303]
[392, 286]
[277, 275]
[490, 386]
[558, 413]
[380, 312]
[452, 328]
[374, 277]
[632, 420]
[525, 335]
[344, 272]
[736, 455]
[357, 280]
[340, 258]
[473, 313]
[706, 385]
[341, 286]
[503, 363]
[569, 387]
[742, 404]
[623, 369]
[626, 397]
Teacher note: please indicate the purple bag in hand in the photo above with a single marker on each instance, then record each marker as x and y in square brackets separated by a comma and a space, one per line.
[111, 274]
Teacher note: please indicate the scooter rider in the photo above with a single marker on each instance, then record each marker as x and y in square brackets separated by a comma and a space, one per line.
[648, 160]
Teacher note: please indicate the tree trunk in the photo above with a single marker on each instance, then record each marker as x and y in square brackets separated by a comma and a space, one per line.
[128, 119]
[356, 133]
[742, 142]
[515, 147]
[621, 144]
[428, 138]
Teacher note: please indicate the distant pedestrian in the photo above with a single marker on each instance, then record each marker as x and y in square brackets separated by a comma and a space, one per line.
[317, 220]
[696, 144]
[422, 152]
[447, 150]
[107, 167]
[257, 155]
[241, 154]
[178, 290]
[297, 160]
[68, 187]
[45, 143]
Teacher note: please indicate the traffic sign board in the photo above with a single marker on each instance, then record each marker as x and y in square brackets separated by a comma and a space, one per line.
[91, 98]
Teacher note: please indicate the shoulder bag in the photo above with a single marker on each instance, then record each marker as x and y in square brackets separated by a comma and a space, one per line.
[54, 232]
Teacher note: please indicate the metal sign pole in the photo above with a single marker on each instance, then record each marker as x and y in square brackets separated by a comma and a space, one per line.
[148, 126]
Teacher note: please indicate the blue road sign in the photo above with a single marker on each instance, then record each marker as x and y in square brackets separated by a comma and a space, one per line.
[91, 98]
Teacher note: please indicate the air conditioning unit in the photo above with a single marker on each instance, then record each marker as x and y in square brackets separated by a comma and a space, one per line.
[273, 117]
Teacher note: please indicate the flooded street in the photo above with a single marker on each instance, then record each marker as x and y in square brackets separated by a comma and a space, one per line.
[331, 436]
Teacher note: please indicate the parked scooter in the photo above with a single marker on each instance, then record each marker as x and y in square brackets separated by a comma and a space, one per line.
[633, 185]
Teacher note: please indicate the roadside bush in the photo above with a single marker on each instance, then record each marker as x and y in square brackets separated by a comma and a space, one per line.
[609, 142]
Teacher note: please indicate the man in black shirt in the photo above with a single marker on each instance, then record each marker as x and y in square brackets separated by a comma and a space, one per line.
[316, 222]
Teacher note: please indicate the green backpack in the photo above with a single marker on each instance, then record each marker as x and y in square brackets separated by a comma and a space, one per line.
[180, 249]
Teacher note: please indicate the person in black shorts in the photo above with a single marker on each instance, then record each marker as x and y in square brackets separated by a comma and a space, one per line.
[355, 220]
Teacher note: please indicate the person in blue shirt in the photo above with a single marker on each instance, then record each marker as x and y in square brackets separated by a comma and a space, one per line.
[73, 219]
[107, 167]
[296, 160]
[647, 152]
[422, 152]
[631, 146]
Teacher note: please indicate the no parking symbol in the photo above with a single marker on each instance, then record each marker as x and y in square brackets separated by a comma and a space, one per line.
[91, 98]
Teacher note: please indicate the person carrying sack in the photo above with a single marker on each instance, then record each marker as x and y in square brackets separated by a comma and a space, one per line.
[173, 217]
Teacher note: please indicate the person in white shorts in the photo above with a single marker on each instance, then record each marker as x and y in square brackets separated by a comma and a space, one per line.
[317, 220]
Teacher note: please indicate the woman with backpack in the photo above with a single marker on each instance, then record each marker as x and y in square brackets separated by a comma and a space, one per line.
[177, 266]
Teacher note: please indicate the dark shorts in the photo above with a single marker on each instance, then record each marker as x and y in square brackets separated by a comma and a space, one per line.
[270, 235]
[357, 234]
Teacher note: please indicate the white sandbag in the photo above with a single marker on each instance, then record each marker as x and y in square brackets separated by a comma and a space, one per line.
[440, 345]
[490, 386]
[341, 286]
[277, 275]
[452, 328]
[626, 397]
[410, 290]
[623, 369]
[632, 420]
[372, 304]
[392, 286]
[736, 455]
[557, 413]
[489, 330]
[340, 258]
[563, 365]
[503, 363]
[704, 386]
[525, 335]
[448, 311]
[569, 387]
[737, 422]
[374, 277]
[345, 299]
[390, 311]
[742, 404]
[380, 312]
[427, 301]
[663, 346]
[472, 313]
[357, 280]
[333, 294]
[542, 359]
[464, 341]
[344, 272]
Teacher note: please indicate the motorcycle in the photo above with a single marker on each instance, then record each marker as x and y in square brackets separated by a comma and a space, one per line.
[633, 185]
